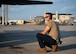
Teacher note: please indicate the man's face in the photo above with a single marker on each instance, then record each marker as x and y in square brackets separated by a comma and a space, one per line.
[47, 17]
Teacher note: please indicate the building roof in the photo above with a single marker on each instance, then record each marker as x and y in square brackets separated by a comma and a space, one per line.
[63, 14]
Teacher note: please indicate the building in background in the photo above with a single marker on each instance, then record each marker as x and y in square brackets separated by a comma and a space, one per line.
[39, 20]
[63, 18]
[59, 18]
[16, 21]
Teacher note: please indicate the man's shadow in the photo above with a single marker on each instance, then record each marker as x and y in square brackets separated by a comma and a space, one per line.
[66, 47]
[66, 34]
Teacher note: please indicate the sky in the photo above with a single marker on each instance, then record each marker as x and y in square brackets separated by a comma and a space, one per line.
[23, 12]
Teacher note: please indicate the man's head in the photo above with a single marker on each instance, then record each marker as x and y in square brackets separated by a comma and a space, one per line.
[48, 16]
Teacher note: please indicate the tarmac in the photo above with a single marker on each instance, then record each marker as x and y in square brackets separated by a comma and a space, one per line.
[21, 39]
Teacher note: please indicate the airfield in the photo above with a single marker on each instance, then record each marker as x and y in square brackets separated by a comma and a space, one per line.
[21, 39]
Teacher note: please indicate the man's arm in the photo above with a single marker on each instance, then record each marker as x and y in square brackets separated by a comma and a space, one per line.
[47, 28]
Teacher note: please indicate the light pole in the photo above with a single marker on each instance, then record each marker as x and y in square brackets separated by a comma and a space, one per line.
[4, 14]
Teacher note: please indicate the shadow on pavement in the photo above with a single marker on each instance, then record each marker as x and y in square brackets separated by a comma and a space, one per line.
[17, 37]
[65, 34]
[62, 48]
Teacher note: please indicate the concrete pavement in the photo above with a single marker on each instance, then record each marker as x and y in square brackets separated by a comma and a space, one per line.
[21, 39]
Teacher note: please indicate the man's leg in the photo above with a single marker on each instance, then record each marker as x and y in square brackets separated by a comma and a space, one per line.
[40, 40]
[41, 44]
[44, 39]
[48, 45]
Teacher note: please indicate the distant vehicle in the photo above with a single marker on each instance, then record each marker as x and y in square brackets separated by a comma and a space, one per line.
[73, 23]
[12, 23]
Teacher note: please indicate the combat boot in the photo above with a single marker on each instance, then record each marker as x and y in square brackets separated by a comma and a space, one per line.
[42, 50]
[54, 48]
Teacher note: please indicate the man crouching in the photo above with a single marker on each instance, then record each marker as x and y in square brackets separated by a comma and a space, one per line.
[52, 38]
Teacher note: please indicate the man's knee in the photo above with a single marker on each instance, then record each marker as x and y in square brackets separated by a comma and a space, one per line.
[38, 35]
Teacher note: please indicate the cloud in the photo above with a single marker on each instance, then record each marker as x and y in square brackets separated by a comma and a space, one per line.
[17, 8]
[14, 9]
[59, 0]
[55, 0]
[67, 0]
[68, 8]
